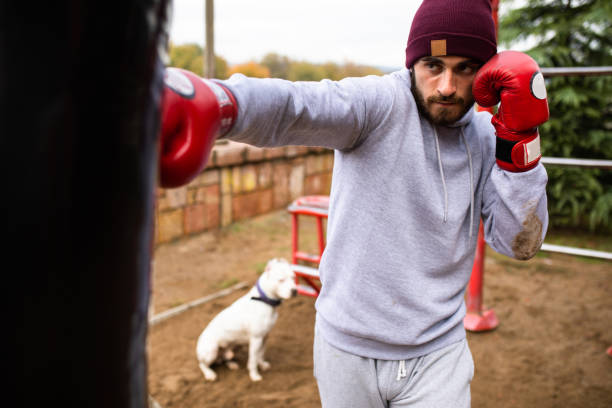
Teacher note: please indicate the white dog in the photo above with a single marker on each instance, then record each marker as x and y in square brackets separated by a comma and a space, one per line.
[247, 321]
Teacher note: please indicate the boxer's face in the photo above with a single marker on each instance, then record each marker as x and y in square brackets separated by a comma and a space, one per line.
[442, 87]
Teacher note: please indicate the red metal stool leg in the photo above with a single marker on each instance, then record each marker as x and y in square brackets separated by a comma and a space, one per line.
[477, 319]
[609, 352]
[321, 235]
[314, 206]
[294, 239]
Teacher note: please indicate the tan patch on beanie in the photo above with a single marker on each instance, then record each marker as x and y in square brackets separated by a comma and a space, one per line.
[438, 47]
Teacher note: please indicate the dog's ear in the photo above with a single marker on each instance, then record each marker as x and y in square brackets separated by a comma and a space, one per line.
[270, 264]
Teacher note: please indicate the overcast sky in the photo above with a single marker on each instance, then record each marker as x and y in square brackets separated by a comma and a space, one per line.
[372, 32]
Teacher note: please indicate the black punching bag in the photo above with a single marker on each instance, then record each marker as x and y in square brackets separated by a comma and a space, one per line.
[80, 88]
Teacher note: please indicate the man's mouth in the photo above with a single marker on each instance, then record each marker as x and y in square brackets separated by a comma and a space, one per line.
[445, 102]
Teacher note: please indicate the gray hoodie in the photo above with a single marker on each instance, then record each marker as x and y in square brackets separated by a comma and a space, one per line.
[405, 205]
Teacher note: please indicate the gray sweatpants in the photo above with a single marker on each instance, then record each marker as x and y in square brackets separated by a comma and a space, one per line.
[440, 379]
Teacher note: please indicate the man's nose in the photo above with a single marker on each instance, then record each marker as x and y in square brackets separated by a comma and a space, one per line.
[447, 85]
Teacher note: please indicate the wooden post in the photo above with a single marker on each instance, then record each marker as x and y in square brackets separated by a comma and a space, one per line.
[209, 60]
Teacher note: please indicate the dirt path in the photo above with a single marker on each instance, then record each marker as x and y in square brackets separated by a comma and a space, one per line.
[549, 350]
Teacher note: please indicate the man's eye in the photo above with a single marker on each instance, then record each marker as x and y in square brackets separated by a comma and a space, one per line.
[432, 67]
[467, 69]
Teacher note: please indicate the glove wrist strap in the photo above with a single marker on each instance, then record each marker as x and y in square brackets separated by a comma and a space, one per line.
[518, 155]
[227, 106]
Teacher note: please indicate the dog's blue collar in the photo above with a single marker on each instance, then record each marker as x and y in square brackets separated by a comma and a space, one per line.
[263, 298]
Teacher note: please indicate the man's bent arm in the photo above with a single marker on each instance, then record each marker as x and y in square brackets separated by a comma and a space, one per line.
[514, 212]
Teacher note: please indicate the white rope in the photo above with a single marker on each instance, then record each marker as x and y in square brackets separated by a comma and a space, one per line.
[184, 307]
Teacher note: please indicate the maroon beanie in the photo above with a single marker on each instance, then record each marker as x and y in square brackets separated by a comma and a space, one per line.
[452, 27]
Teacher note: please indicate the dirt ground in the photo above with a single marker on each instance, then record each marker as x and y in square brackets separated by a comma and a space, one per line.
[555, 315]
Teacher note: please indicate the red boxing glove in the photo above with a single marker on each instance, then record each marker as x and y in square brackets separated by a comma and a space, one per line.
[514, 79]
[195, 111]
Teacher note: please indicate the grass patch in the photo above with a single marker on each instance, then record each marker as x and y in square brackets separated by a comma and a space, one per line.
[583, 240]
[513, 264]
[259, 267]
[579, 239]
[542, 255]
[553, 269]
[236, 227]
[227, 283]
[176, 303]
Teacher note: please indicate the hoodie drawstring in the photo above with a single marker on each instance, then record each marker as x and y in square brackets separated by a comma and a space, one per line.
[469, 154]
[401, 370]
[441, 174]
[441, 168]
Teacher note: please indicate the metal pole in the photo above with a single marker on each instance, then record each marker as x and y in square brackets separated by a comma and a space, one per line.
[562, 161]
[209, 60]
[571, 71]
[577, 251]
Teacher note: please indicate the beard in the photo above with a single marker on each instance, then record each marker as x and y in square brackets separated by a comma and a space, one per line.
[443, 117]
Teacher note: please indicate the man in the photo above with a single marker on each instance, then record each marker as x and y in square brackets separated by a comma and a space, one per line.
[415, 169]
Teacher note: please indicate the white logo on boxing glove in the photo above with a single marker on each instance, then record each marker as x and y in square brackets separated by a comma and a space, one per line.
[179, 83]
[538, 87]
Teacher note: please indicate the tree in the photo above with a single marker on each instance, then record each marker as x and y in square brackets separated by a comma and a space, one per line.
[277, 64]
[355, 70]
[191, 58]
[251, 69]
[305, 71]
[333, 71]
[572, 33]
